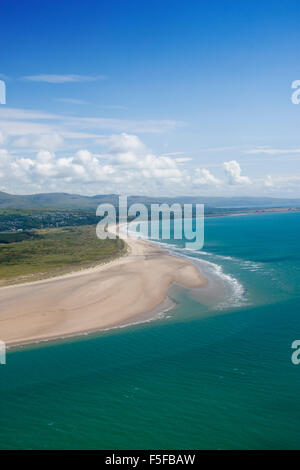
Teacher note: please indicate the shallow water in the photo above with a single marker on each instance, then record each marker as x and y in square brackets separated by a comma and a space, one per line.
[214, 373]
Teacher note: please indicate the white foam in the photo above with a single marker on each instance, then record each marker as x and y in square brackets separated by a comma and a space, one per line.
[235, 291]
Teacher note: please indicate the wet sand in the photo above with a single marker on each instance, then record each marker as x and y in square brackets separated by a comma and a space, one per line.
[96, 298]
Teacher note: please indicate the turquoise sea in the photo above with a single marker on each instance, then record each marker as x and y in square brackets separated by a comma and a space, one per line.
[213, 373]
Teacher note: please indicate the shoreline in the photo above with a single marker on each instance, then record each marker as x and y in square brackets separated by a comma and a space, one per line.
[257, 211]
[139, 319]
[112, 295]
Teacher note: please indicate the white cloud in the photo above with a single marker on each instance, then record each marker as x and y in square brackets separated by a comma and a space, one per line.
[281, 181]
[123, 164]
[19, 128]
[183, 159]
[72, 101]
[122, 144]
[234, 173]
[16, 121]
[51, 142]
[27, 114]
[80, 101]
[177, 158]
[123, 125]
[268, 181]
[173, 154]
[204, 176]
[69, 78]
[113, 106]
[126, 166]
[2, 138]
[271, 151]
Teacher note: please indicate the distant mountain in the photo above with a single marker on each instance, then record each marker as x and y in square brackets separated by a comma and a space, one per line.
[53, 201]
[76, 201]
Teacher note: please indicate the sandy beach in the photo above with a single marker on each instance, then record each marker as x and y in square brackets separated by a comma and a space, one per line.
[93, 299]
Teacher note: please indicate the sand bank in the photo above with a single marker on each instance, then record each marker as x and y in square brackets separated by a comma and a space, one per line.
[93, 299]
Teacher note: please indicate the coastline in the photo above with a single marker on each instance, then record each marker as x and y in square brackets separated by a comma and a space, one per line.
[257, 211]
[125, 290]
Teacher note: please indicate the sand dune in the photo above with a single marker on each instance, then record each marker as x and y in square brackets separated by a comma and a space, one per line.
[93, 299]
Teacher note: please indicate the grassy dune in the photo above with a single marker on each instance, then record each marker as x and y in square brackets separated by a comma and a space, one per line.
[51, 252]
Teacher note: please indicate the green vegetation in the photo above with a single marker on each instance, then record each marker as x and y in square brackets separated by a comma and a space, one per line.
[13, 237]
[12, 220]
[50, 252]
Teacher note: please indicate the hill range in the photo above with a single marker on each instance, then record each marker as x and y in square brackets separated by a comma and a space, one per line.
[77, 201]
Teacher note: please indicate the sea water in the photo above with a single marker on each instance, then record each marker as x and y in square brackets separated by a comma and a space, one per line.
[213, 373]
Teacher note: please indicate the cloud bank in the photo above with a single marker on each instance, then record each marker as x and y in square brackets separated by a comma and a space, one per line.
[125, 165]
[57, 78]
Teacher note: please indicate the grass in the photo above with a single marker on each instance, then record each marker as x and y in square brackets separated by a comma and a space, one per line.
[12, 237]
[51, 252]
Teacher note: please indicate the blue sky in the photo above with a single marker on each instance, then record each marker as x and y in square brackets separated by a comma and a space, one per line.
[165, 97]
